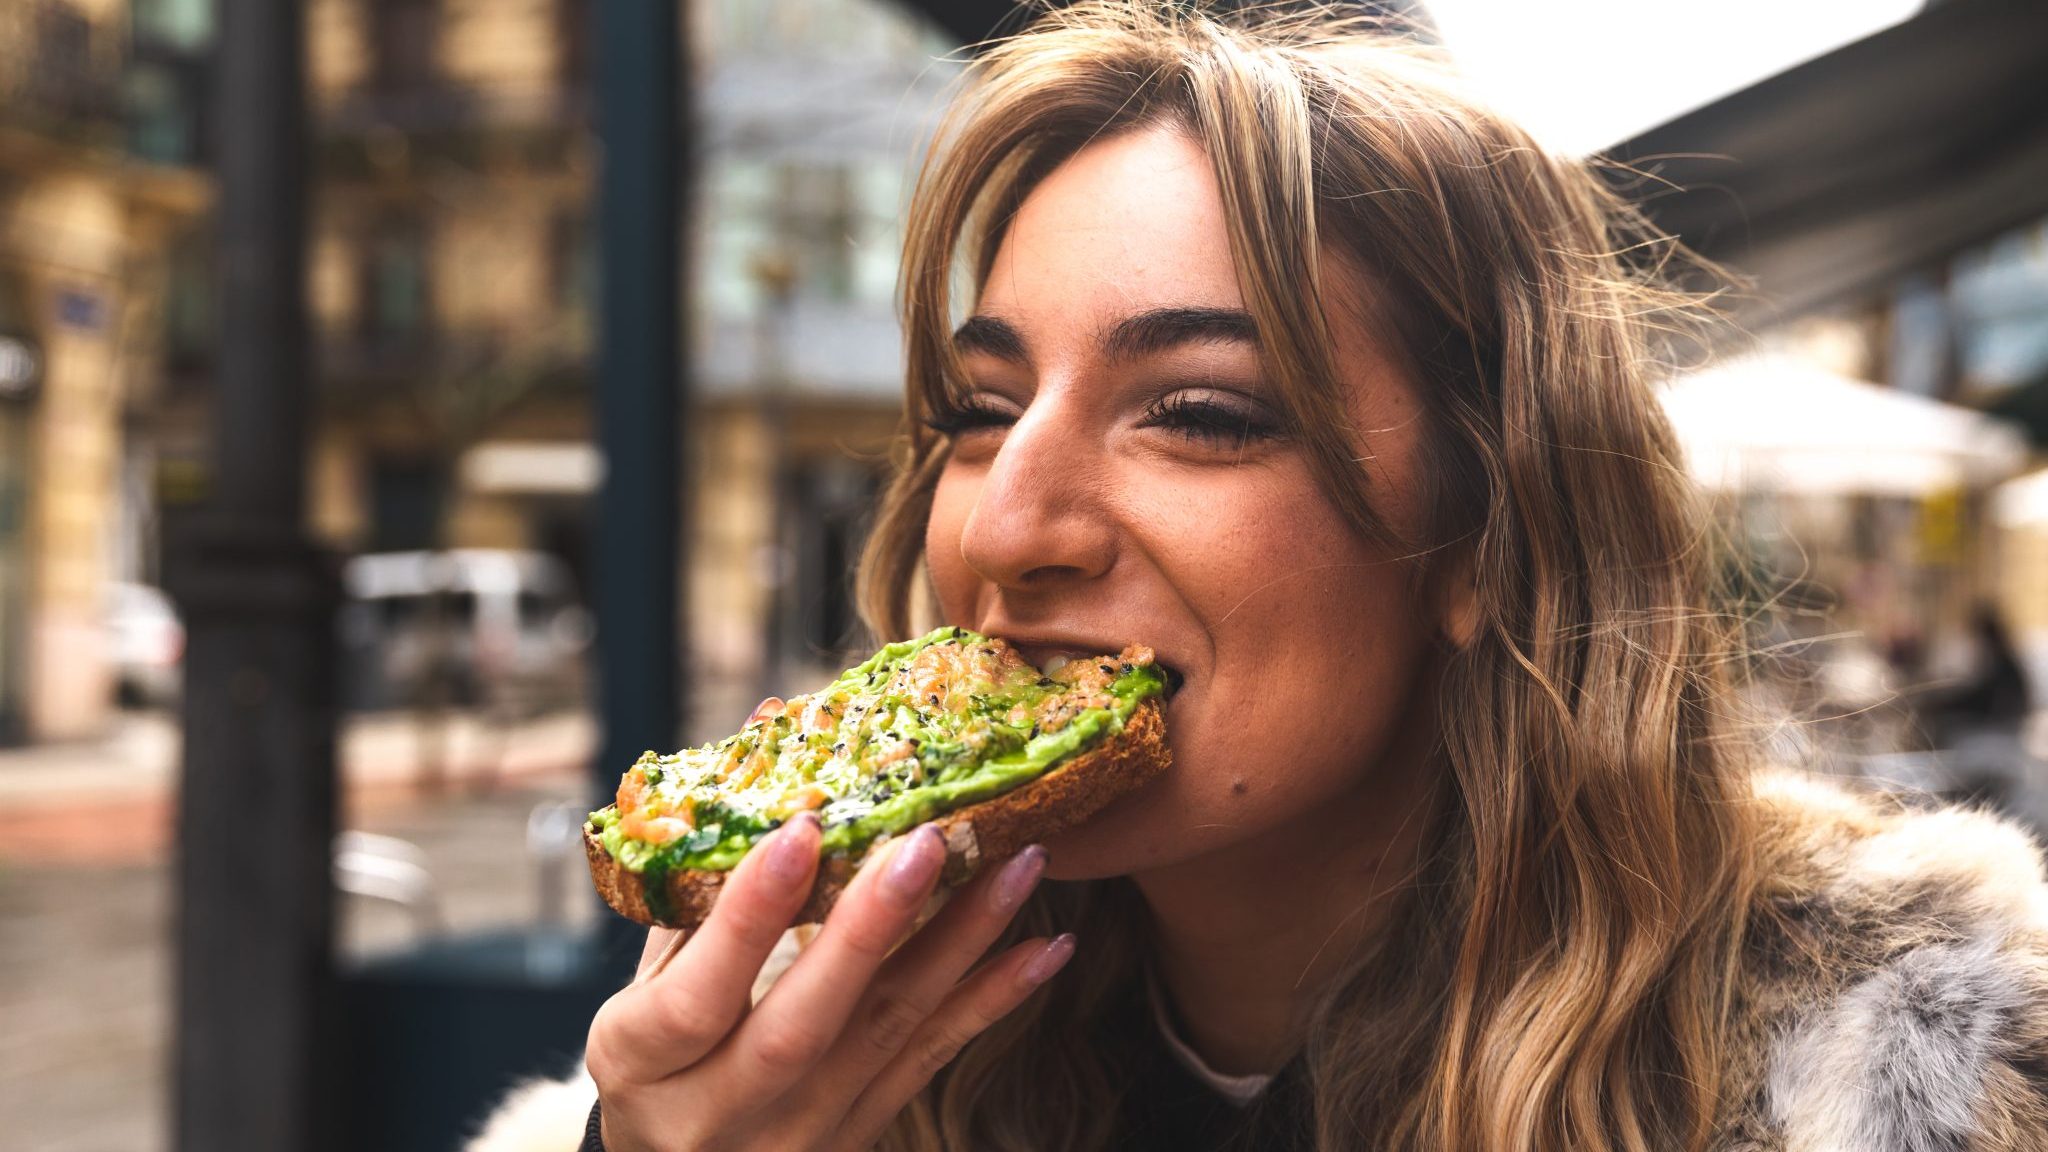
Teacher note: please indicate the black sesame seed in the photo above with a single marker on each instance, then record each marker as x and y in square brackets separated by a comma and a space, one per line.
[1045, 681]
[1105, 667]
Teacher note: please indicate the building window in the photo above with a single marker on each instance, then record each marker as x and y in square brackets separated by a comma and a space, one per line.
[573, 30]
[406, 502]
[185, 25]
[826, 515]
[405, 33]
[63, 79]
[395, 290]
[188, 302]
[572, 262]
[819, 221]
[163, 126]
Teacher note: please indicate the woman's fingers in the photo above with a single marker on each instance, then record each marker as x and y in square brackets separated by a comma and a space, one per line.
[922, 973]
[662, 946]
[804, 1013]
[992, 993]
[674, 1014]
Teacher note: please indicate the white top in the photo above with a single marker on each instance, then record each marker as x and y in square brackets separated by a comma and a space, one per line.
[1239, 1090]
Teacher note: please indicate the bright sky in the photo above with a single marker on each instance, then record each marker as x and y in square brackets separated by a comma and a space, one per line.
[1584, 74]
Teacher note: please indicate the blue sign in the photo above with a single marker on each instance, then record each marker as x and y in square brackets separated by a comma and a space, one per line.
[80, 309]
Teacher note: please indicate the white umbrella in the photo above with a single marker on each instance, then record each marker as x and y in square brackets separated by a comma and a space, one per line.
[1771, 423]
[2022, 502]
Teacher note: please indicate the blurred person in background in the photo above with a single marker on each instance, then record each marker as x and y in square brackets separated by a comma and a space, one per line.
[1978, 726]
[1995, 695]
[1290, 360]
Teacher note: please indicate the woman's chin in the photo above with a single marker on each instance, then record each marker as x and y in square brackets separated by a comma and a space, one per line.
[1133, 833]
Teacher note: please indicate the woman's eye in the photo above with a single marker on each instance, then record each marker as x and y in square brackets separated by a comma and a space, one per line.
[967, 416]
[1208, 419]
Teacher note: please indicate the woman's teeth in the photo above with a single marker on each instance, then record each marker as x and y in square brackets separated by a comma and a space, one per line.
[1056, 663]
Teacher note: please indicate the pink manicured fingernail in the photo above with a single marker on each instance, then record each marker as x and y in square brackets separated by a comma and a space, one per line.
[914, 866]
[795, 848]
[1017, 879]
[1047, 961]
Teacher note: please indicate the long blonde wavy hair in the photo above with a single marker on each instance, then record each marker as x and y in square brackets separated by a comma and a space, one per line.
[1557, 976]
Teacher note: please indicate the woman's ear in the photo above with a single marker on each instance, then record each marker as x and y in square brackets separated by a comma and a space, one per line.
[1458, 600]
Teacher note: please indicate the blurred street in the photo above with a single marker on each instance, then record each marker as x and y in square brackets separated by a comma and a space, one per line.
[111, 800]
[85, 898]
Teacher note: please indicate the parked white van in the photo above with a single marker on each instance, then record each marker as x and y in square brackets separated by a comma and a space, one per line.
[465, 627]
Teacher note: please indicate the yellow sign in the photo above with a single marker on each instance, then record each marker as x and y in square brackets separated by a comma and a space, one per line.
[1942, 526]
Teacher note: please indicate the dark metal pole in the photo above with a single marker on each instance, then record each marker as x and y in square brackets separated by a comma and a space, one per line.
[256, 805]
[639, 539]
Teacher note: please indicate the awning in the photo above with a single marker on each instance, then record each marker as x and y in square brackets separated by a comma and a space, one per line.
[533, 468]
[2022, 502]
[1829, 181]
[972, 21]
[1772, 424]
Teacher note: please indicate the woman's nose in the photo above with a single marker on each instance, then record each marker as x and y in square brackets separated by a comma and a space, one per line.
[1038, 519]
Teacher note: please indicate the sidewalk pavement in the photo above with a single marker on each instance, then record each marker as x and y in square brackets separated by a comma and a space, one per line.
[86, 961]
[114, 799]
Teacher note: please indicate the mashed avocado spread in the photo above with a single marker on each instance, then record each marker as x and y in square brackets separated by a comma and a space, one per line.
[921, 728]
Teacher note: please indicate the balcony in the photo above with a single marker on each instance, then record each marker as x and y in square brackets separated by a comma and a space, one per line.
[473, 364]
[59, 71]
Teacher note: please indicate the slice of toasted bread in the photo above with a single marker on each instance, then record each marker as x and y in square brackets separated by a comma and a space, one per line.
[992, 830]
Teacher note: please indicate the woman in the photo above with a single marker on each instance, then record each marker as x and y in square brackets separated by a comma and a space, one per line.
[1281, 356]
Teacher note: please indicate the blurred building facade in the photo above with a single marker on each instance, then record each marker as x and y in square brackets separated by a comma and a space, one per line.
[1990, 314]
[451, 274]
[1971, 332]
[99, 133]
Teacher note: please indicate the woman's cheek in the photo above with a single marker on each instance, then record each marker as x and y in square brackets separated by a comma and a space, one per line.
[952, 579]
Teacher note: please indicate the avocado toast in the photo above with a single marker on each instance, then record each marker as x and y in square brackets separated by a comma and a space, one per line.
[954, 728]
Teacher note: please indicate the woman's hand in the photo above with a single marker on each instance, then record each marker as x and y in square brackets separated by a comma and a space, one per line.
[846, 1037]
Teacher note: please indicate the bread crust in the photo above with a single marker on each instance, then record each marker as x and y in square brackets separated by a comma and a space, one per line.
[992, 830]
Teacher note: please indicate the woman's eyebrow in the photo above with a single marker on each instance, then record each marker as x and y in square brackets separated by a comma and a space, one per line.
[1158, 329]
[1151, 331]
[991, 337]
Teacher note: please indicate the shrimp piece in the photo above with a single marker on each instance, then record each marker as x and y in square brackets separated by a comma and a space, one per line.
[810, 796]
[634, 791]
[752, 770]
[894, 752]
[654, 829]
[648, 818]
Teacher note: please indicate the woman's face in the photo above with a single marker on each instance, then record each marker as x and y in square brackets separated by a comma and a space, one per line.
[1121, 475]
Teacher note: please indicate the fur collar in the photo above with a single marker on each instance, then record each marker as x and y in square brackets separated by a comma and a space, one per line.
[1894, 995]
